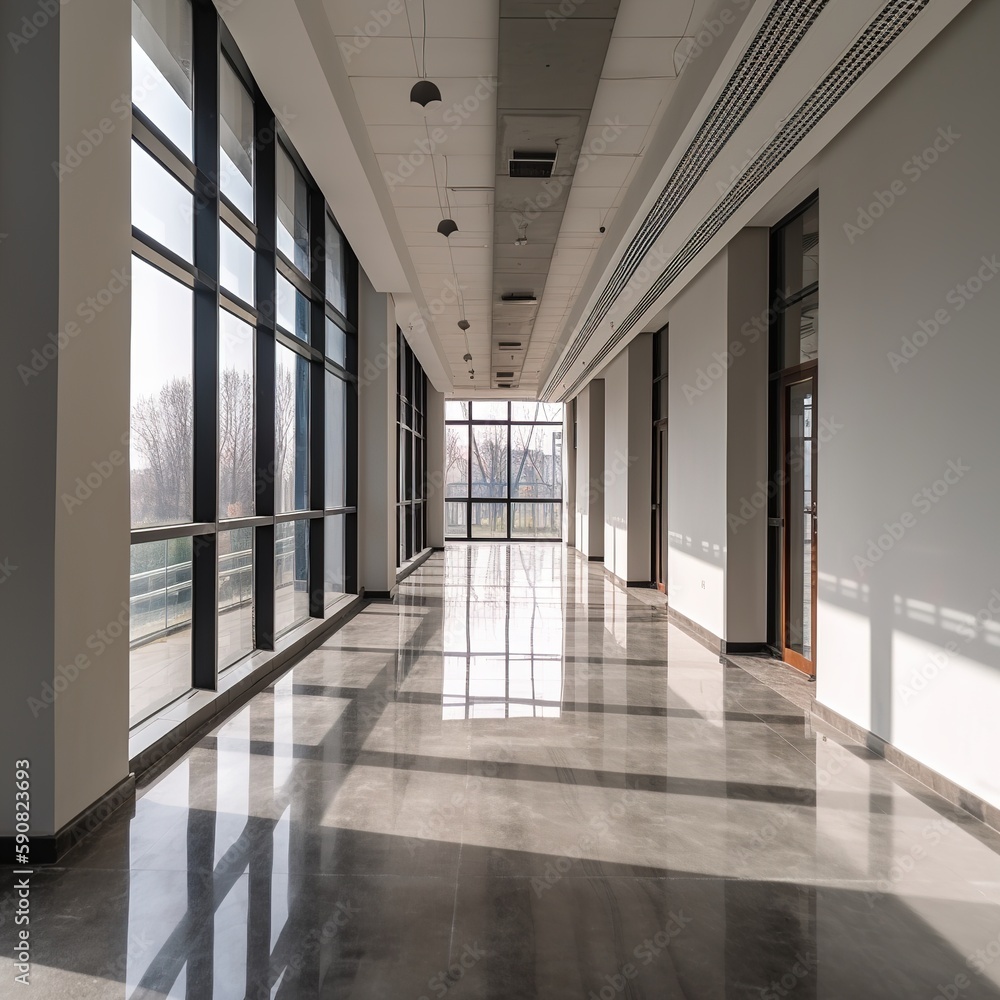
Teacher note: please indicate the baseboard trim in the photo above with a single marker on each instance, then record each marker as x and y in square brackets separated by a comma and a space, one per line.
[708, 639]
[415, 563]
[599, 559]
[47, 850]
[746, 649]
[945, 787]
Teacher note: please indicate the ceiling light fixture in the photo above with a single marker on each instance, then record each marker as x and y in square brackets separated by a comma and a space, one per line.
[446, 227]
[463, 325]
[425, 95]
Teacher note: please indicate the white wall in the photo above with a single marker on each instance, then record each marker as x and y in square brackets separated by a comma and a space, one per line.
[890, 606]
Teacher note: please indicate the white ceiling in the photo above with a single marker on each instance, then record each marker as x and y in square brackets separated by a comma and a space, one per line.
[382, 63]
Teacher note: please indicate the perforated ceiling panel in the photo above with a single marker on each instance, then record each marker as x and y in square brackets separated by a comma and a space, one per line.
[876, 38]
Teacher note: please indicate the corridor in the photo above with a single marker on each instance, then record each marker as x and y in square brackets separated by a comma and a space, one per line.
[515, 782]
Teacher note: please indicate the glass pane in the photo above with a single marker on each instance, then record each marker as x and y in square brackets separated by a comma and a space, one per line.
[489, 460]
[489, 410]
[800, 331]
[291, 444]
[235, 595]
[236, 417]
[336, 284]
[800, 239]
[457, 461]
[236, 141]
[336, 441]
[291, 574]
[161, 66]
[161, 206]
[536, 520]
[456, 523]
[293, 309]
[799, 519]
[159, 625]
[161, 437]
[334, 579]
[539, 412]
[236, 264]
[336, 343]
[536, 460]
[489, 520]
[293, 212]
[455, 411]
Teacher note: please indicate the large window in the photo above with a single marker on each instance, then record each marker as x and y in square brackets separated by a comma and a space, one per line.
[244, 386]
[411, 482]
[503, 470]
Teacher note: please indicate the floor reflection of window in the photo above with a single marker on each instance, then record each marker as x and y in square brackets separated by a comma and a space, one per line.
[503, 657]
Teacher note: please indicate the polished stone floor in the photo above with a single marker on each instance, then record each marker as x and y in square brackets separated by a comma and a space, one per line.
[518, 781]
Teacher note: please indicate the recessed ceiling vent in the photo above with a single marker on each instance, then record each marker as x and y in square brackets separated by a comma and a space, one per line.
[536, 165]
[505, 374]
[509, 345]
[505, 385]
[518, 297]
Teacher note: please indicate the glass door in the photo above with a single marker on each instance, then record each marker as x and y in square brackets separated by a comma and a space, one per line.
[799, 617]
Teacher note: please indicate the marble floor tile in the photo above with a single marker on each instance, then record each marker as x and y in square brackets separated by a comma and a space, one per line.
[519, 781]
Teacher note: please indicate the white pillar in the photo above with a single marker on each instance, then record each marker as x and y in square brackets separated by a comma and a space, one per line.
[377, 442]
[434, 431]
[64, 401]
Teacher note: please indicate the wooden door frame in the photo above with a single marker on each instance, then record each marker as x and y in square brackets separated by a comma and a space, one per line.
[659, 505]
[788, 379]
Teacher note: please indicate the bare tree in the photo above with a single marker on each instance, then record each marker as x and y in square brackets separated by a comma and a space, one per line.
[236, 442]
[162, 436]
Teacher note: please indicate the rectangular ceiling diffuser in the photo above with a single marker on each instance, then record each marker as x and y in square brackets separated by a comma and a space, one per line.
[537, 165]
[509, 345]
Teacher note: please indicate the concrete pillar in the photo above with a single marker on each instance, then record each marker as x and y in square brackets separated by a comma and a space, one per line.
[717, 571]
[64, 401]
[746, 454]
[569, 474]
[377, 442]
[434, 433]
[590, 470]
[628, 452]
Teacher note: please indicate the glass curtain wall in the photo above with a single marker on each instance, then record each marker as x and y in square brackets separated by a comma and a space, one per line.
[243, 368]
[503, 470]
[411, 482]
